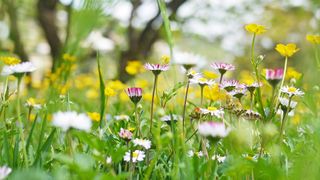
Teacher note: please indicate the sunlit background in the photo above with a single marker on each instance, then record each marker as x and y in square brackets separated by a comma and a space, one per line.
[123, 30]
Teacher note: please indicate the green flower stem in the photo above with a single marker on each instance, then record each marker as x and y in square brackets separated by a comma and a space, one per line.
[24, 151]
[202, 87]
[255, 67]
[284, 76]
[185, 105]
[317, 56]
[283, 121]
[152, 101]
[137, 117]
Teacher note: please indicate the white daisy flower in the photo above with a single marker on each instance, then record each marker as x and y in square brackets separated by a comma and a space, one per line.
[188, 60]
[200, 154]
[109, 160]
[122, 117]
[167, 118]
[291, 91]
[71, 119]
[4, 172]
[219, 158]
[190, 153]
[213, 129]
[284, 102]
[202, 81]
[212, 111]
[142, 142]
[18, 69]
[136, 156]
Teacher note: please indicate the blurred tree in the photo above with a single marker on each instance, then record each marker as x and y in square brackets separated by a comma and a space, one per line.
[140, 41]
[47, 19]
[11, 8]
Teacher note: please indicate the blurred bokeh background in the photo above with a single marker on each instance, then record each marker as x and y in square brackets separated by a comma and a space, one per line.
[42, 31]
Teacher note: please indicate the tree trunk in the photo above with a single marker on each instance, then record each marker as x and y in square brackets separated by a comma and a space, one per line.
[47, 19]
[15, 31]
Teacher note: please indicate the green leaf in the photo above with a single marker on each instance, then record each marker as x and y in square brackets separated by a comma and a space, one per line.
[102, 95]
[166, 21]
[31, 133]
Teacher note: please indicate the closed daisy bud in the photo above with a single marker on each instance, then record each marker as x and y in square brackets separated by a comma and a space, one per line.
[135, 94]
[274, 76]
[125, 134]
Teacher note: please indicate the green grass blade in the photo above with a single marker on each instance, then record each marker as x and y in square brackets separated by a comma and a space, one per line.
[31, 133]
[102, 95]
[16, 152]
[166, 21]
[6, 148]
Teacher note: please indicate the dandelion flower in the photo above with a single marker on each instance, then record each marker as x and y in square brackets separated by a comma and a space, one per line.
[71, 119]
[255, 28]
[287, 50]
[137, 155]
[142, 142]
[18, 69]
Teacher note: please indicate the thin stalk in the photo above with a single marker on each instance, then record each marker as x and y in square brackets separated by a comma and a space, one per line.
[185, 105]
[255, 68]
[251, 100]
[283, 122]
[284, 76]
[24, 151]
[202, 87]
[137, 117]
[152, 101]
[221, 76]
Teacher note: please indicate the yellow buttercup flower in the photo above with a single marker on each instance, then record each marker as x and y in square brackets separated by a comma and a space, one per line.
[287, 50]
[116, 85]
[314, 39]
[10, 60]
[255, 28]
[142, 83]
[92, 94]
[293, 74]
[134, 67]
[69, 57]
[94, 116]
[165, 59]
[209, 74]
[109, 92]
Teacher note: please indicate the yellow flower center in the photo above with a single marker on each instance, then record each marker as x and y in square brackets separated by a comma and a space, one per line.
[292, 89]
[135, 155]
[165, 59]
[202, 80]
[212, 108]
[10, 60]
